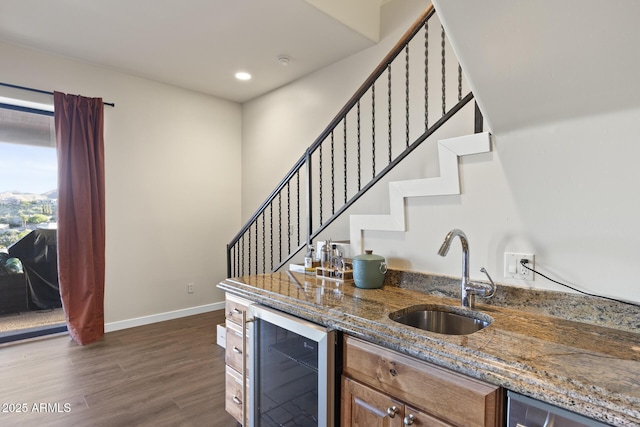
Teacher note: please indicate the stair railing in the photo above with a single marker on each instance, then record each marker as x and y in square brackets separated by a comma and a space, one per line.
[272, 236]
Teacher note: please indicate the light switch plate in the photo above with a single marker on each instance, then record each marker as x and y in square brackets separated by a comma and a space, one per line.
[514, 270]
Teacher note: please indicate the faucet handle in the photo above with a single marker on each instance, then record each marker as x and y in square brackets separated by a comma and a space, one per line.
[481, 289]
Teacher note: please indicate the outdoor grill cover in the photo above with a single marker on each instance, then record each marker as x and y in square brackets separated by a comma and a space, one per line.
[38, 252]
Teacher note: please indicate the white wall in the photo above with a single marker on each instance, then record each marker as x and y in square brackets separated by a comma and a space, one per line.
[565, 192]
[172, 161]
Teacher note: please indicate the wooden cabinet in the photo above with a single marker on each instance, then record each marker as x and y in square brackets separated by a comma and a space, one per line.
[365, 407]
[236, 358]
[381, 387]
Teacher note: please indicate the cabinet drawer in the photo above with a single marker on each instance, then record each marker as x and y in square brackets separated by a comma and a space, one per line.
[234, 354]
[364, 406]
[447, 395]
[234, 307]
[233, 394]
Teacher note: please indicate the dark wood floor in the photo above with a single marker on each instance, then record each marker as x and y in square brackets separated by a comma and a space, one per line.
[166, 374]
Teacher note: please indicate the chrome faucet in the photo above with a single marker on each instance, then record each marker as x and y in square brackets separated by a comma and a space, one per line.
[468, 289]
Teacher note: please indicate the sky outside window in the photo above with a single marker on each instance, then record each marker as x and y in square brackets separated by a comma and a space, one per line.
[27, 168]
[28, 174]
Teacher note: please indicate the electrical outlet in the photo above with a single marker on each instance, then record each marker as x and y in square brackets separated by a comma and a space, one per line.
[190, 288]
[513, 269]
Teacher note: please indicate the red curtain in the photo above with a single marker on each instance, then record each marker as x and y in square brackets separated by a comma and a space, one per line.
[79, 124]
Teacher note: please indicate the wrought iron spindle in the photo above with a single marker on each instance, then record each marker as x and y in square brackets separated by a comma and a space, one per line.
[373, 130]
[289, 216]
[243, 263]
[271, 234]
[344, 157]
[298, 203]
[459, 83]
[358, 146]
[426, 75]
[320, 182]
[256, 251]
[406, 93]
[333, 176]
[389, 108]
[264, 234]
[444, 91]
[249, 252]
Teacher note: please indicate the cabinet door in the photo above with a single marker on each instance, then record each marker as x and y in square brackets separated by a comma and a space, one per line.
[364, 407]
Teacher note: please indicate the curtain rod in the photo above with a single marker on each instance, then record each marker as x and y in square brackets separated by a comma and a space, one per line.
[110, 104]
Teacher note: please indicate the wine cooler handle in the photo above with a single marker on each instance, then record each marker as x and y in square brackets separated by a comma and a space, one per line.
[244, 367]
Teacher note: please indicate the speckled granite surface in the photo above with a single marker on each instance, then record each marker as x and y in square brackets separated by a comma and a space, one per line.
[570, 306]
[584, 367]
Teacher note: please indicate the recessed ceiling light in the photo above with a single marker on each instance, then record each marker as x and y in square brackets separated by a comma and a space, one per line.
[241, 75]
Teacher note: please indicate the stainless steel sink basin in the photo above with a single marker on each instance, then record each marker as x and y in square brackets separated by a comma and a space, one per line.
[442, 319]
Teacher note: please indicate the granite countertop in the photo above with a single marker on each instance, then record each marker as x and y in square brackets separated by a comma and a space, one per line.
[591, 366]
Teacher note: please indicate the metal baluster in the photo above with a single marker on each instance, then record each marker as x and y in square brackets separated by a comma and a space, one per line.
[232, 255]
[358, 144]
[271, 234]
[298, 203]
[406, 77]
[459, 82]
[289, 216]
[249, 252]
[320, 183]
[279, 226]
[333, 176]
[373, 129]
[426, 75]
[389, 106]
[344, 155]
[444, 93]
[257, 264]
[309, 191]
[263, 243]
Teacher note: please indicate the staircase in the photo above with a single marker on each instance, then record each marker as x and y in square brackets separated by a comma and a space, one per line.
[401, 104]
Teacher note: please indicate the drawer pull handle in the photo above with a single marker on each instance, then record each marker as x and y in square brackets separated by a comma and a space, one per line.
[237, 401]
[409, 420]
[392, 411]
[236, 311]
[237, 350]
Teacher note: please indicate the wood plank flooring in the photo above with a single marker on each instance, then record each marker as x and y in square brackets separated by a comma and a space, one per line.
[165, 374]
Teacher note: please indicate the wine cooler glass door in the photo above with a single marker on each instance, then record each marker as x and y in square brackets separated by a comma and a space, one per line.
[291, 371]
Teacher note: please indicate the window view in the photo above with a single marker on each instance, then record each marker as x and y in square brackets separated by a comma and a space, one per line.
[30, 302]
[28, 175]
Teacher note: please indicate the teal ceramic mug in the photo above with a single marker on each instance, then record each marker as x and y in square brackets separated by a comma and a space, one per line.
[369, 270]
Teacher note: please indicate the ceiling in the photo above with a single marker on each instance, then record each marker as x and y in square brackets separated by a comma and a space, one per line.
[535, 62]
[197, 44]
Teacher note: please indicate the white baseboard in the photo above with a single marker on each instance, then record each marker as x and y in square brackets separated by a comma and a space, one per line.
[161, 317]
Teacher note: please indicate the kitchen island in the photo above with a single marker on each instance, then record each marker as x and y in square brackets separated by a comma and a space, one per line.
[591, 366]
